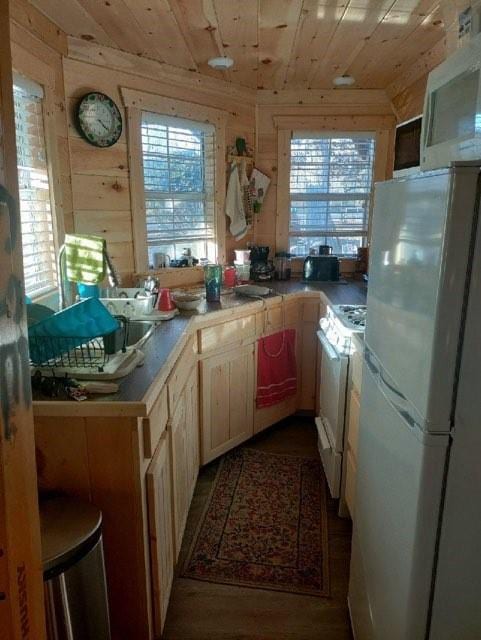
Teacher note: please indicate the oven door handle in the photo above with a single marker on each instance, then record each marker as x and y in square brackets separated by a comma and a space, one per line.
[331, 351]
[321, 430]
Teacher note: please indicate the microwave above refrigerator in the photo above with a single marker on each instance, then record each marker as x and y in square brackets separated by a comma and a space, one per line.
[451, 127]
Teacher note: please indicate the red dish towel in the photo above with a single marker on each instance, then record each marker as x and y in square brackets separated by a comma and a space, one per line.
[276, 368]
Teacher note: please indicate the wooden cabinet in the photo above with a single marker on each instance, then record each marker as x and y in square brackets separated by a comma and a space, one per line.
[154, 425]
[193, 428]
[280, 316]
[185, 455]
[179, 472]
[308, 354]
[159, 502]
[227, 384]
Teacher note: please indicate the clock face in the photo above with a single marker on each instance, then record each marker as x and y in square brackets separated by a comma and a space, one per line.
[99, 119]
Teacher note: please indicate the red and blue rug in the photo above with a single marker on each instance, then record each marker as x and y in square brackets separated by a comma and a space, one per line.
[264, 526]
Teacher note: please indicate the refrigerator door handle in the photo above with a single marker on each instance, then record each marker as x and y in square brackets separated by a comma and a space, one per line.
[397, 401]
[369, 360]
[391, 386]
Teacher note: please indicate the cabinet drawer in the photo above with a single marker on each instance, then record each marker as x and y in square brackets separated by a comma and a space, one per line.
[155, 423]
[353, 428]
[356, 370]
[350, 490]
[180, 373]
[228, 333]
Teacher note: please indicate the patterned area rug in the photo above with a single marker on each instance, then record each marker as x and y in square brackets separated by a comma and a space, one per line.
[264, 526]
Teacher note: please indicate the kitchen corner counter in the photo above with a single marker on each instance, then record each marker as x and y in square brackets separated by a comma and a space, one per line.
[138, 390]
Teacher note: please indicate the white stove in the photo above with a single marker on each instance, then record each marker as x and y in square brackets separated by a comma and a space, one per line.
[337, 329]
[353, 316]
[341, 322]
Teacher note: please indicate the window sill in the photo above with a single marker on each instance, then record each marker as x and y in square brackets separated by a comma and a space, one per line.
[165, 270]
[49, 298]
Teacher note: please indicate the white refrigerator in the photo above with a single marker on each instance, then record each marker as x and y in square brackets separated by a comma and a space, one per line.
[416, 549]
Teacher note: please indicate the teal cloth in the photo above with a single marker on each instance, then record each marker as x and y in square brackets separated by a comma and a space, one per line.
[85, 258]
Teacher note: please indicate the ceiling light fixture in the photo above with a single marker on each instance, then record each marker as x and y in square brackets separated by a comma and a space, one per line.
[222, 63]
[343, 81]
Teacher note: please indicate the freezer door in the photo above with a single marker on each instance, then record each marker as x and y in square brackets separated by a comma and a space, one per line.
[398, 493]
[419, 258]
[456, 612]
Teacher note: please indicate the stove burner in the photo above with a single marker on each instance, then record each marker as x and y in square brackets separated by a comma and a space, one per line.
[354, 315]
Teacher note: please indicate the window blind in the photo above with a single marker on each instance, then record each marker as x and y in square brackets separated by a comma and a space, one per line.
[39, 255]
[179, 166]
[330, 191]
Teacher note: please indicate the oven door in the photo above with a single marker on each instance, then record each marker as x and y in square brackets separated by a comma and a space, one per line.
[332, 393]
[332, 402]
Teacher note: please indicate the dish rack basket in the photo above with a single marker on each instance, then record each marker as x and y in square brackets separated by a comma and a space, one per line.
[68, 352]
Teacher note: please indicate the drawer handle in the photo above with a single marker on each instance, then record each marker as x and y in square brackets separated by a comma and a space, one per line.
[327, 347]
[325, 444]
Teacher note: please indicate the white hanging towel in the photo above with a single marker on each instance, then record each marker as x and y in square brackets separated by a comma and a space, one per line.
[234, 202]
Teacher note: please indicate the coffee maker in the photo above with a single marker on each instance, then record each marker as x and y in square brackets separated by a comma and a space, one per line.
[261, 268]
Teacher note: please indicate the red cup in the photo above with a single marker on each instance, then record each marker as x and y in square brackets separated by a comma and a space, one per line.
[229, 277]
[165, 302]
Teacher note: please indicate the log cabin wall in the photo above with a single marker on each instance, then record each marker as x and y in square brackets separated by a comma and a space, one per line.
[279, 113]
[94, 183]
[100, 177]
[407, 89]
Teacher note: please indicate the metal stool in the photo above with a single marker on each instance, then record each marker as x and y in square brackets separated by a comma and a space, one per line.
[73, 570]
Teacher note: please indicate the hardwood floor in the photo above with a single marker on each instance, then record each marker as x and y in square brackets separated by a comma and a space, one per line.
[205, 611]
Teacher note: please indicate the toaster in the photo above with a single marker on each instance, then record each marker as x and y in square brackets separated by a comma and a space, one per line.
[321, 269]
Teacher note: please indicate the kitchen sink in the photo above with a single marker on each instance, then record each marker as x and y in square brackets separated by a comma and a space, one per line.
[139, 331]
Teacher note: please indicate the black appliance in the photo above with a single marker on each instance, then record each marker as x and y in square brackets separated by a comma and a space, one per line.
[321, 269]
[261, 268]
[325, 250]
[408, 144]
[183, 262]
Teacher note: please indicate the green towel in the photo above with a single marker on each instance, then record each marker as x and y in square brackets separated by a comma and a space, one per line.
[85, 258]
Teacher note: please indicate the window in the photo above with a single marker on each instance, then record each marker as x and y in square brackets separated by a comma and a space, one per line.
[179, 164]
[39, 256]
[330, 191]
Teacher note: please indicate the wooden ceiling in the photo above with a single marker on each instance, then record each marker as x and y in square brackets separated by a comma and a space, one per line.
[276, 44]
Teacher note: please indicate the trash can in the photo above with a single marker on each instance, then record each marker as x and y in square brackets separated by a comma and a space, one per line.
[73, 570]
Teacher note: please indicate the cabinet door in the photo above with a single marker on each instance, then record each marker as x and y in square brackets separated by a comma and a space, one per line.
[179, 471]
[159, 500]
[192, 430]
[227, 383]
[308, 352]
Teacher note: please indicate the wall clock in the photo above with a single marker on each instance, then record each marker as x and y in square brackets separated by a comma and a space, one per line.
[99, 120]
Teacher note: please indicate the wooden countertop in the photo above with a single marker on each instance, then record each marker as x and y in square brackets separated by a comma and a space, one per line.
[137, 391]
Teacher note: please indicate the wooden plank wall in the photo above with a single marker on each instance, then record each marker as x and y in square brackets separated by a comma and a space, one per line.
[21, 586]
[95, 182]
[100, 177]
[329, 109]
[408, 88]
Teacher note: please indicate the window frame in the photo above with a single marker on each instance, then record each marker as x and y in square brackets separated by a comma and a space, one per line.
[33, 69]
[381, 126]
[332, 196]
[137, 101]
[206, 195]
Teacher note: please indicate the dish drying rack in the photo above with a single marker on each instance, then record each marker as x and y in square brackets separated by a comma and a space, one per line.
[68, 352]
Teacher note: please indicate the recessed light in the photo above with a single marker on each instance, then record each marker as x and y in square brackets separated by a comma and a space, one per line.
[343, 81]
[222, 63]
